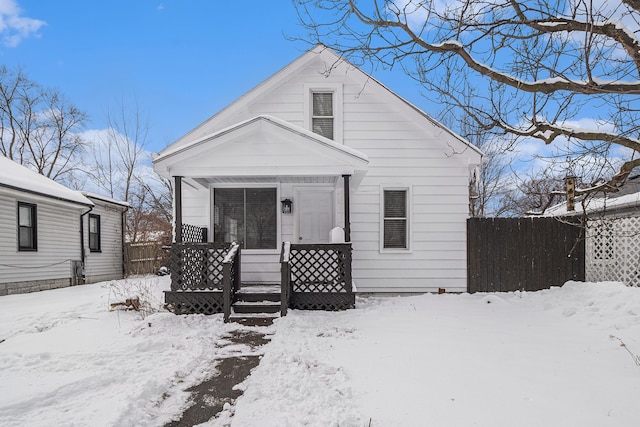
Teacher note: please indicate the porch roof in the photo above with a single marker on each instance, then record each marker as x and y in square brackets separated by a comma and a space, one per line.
[261, 149]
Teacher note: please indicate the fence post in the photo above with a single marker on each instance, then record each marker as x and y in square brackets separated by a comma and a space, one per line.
[226, 290]
[285, 278]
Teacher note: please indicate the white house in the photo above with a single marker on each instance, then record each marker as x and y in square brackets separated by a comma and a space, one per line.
[42, 224]
[320, 145]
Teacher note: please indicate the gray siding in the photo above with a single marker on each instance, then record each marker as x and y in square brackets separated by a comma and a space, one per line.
[58, 234]
[106, 264]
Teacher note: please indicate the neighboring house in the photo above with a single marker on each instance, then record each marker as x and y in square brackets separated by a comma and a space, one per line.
[612, 247]
[623, 203]
[41, 224]
[103, 238]
[319, 145]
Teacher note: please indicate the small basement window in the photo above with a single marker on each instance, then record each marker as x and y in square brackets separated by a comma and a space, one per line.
[395, 221]
[94, 233]
[27, 227]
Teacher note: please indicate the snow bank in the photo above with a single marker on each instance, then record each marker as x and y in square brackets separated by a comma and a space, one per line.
[548, 358]
[526, 359]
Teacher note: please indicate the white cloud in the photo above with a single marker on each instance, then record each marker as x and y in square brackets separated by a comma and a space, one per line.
[13, 27]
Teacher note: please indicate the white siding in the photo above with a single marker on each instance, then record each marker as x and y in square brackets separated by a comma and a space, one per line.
[405, 150]
[106, 264]
[58, 239]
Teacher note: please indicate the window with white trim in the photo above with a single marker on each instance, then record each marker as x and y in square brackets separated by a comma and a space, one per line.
[395, 219]
[323, 109]
[27, 227]
[247, 216]
[322, 117]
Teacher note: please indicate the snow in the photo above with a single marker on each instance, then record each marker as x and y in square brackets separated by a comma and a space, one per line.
[20, 177]
[553, 358]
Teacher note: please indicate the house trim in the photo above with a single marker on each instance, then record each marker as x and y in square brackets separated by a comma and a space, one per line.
[409, 218]
[338, 106]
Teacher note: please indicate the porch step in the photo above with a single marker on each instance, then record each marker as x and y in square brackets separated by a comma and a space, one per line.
[258, 292]
[256, 306]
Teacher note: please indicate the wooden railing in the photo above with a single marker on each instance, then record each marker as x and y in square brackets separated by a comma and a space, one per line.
[317, 276]
[285, 278]
[230, 278]
[197, 266]
[194, 234]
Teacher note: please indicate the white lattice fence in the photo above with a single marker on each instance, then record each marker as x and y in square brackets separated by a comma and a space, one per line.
[613, 250]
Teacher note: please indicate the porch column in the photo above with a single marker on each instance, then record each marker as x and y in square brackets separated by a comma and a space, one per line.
[347, 214]
[177, 188]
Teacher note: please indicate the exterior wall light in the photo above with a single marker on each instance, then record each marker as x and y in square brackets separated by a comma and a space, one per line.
[287, 206]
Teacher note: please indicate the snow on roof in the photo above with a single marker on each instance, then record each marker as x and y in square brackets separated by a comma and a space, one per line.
[598, 204]
[273, 120]
[16, 176]
[102, 198]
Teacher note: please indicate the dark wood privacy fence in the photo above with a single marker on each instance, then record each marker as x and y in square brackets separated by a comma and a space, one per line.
[509, 254]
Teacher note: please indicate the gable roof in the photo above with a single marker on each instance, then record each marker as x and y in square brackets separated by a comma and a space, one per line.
[261, 146]
[18, 177]
[329, 57]
[105, 199]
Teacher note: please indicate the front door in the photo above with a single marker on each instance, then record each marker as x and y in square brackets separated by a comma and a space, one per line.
[315, 215]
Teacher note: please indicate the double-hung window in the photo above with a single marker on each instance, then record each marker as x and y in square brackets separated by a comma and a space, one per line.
[247, 216]
[322, 117]
[27, 227]
[94, 233]
[395, 218]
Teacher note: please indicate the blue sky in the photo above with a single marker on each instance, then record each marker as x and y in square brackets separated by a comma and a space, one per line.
[180, 60]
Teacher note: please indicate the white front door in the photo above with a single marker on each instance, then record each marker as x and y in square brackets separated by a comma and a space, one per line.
[315, 215]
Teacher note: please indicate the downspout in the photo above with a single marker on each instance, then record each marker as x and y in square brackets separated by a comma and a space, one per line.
[82, 253]
[122, 222]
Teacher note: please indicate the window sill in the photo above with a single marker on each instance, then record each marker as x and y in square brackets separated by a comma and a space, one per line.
[95, 250]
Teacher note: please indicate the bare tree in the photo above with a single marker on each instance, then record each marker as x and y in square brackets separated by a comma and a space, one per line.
[119, 167]
[39, 127]
[531, 67]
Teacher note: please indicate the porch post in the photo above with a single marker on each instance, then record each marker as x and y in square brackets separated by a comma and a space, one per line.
[178, 205]
[347, 215]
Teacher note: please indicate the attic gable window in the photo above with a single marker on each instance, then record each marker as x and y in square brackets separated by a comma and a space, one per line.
[322, 114]
[27, 227]
[323, 109]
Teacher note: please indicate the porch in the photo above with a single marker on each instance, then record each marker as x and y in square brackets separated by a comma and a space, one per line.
[206, 278]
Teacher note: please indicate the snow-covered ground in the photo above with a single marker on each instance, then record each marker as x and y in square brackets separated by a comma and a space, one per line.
[548, 358]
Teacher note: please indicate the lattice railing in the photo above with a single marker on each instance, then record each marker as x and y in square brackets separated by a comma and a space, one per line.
[197, 266]
[613, 250]
[193, 234]
[316, 277]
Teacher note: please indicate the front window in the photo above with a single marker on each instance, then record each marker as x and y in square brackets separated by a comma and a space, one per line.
[247, 216]
[27, 230]
[395, 220]
[94, 233]
[322, 114]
